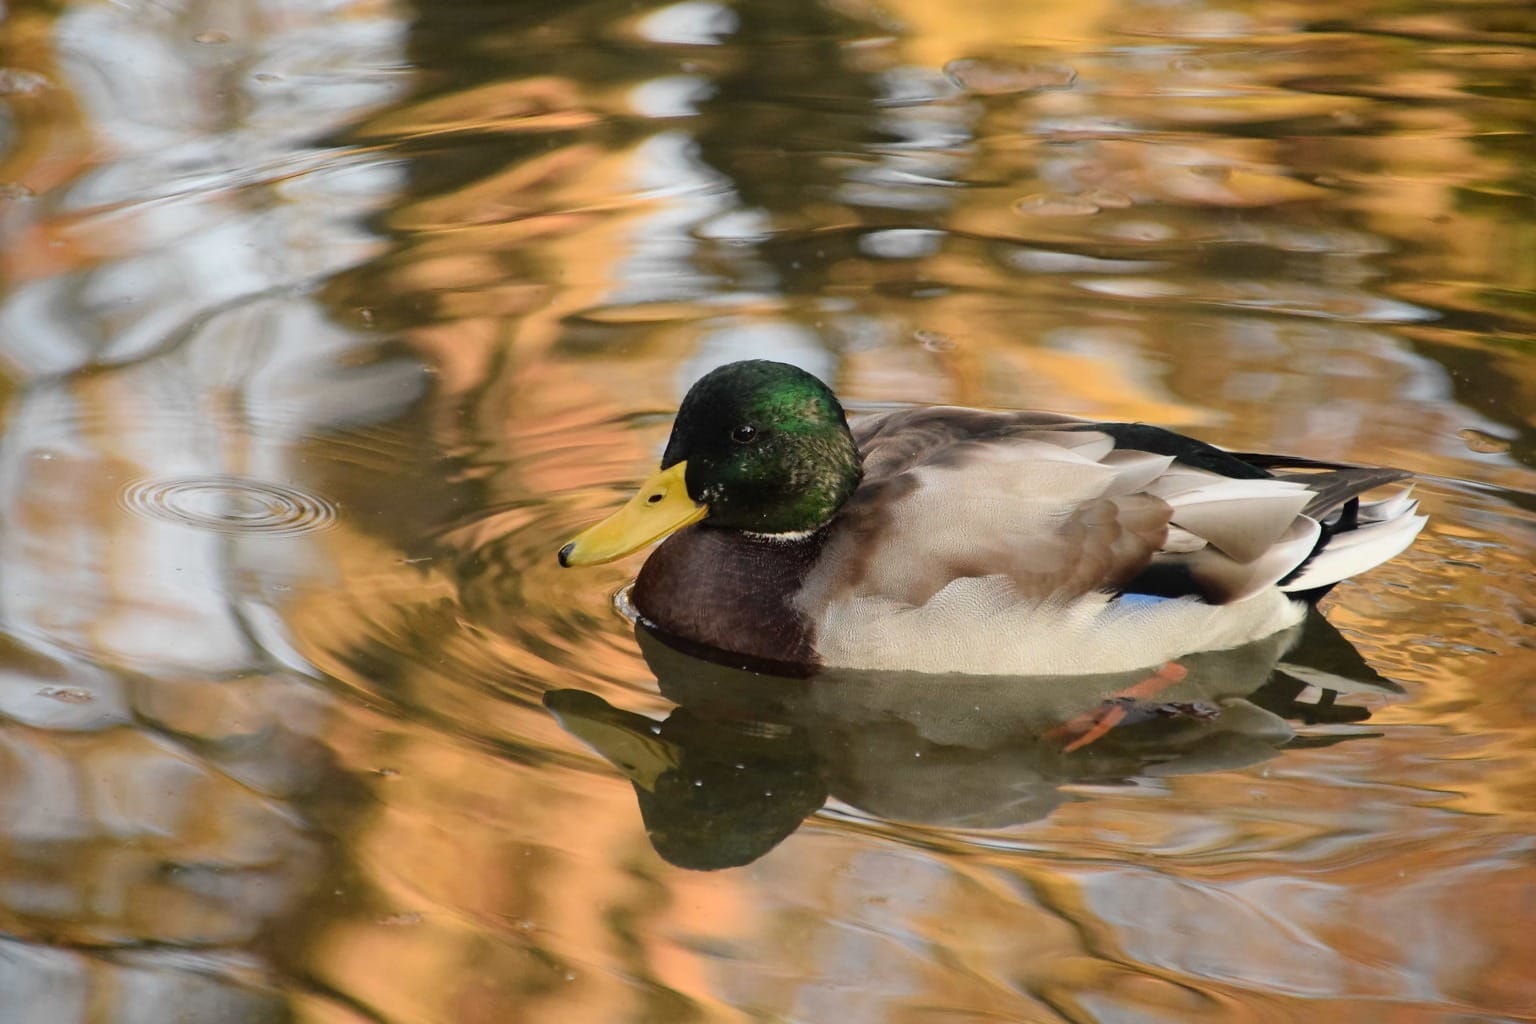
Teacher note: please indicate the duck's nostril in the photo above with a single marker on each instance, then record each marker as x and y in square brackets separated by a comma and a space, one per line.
[565, 555]
[653, 499]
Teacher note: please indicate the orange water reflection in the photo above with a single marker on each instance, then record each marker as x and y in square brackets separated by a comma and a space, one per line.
[448, 268]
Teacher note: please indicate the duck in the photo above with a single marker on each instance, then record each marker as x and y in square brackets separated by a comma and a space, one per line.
[941, 539]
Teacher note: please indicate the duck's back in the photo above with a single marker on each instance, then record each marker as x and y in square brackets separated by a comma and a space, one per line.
[987, 541]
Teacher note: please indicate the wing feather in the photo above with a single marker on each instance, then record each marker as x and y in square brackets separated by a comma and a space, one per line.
[1055, 508]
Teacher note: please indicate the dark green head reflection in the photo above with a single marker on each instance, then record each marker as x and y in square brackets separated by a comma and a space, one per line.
[712, 794]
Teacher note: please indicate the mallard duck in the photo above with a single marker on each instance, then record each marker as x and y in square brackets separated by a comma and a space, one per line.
[962, 540]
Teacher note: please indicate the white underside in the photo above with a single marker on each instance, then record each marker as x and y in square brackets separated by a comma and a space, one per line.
[977, 625]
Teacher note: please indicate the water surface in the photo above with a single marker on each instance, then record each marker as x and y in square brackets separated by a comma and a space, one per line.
[323, 325]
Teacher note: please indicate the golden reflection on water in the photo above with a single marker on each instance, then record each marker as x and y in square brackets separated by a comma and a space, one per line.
[434, 277]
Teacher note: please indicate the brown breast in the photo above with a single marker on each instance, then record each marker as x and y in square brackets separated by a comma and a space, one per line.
[730, 591]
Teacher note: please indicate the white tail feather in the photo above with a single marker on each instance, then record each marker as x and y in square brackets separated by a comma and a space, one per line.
[1355, 551]
[1395, 507]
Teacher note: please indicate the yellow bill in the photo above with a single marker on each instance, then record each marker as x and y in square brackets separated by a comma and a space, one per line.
[661, 506]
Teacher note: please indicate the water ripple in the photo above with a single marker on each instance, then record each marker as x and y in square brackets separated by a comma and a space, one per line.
[229, 504]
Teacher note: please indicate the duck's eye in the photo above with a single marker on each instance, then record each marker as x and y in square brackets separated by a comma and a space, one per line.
[744, 434]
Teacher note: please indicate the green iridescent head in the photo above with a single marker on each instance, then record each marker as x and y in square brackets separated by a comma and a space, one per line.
[766, 447]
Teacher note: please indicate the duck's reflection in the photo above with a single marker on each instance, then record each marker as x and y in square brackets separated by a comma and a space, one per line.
[749, 755]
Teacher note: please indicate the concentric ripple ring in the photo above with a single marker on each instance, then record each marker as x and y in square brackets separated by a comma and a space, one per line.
[229, 504]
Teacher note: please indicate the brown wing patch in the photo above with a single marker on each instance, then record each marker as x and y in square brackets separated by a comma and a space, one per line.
[1054, 506]
[943, 500]
[892, 443]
